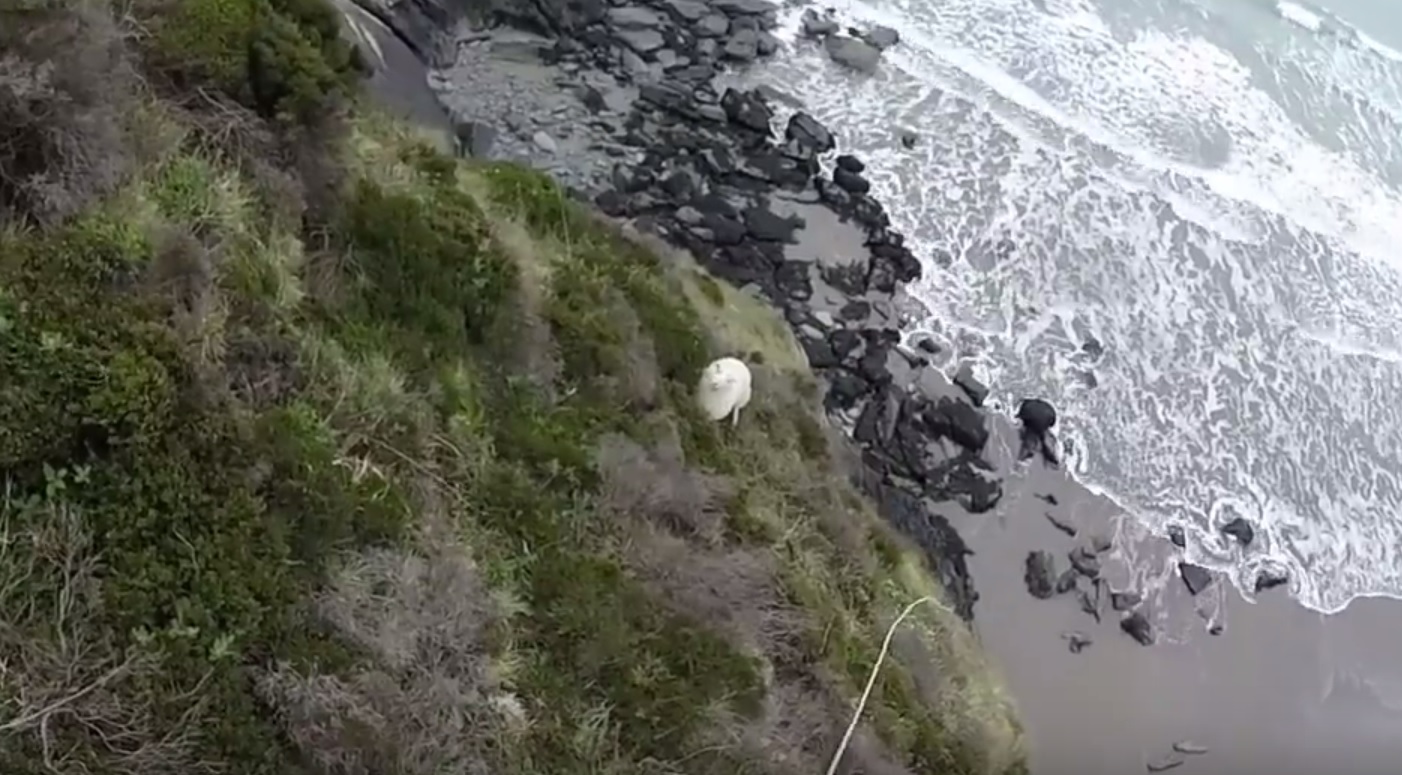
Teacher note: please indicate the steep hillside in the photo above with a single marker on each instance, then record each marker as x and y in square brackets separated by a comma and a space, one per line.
[325, 453]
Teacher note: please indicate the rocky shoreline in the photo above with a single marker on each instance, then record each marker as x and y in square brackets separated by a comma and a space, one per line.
[626, 105]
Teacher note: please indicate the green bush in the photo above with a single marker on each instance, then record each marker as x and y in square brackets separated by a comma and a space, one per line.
[427, 267]
[284, 58]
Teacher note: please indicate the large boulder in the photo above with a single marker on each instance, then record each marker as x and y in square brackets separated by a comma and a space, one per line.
[851, 52]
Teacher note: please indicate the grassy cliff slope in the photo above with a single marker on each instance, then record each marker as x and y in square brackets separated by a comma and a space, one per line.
[324, 453]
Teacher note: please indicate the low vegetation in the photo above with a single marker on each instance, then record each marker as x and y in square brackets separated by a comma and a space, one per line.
[324, 453]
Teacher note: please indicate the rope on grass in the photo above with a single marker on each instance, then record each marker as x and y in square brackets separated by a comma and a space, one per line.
[871, 681]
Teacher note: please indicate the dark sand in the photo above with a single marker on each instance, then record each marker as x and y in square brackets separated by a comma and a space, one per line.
[1282, 690]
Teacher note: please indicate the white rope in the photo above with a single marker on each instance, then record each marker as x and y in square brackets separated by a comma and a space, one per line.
[871, 681]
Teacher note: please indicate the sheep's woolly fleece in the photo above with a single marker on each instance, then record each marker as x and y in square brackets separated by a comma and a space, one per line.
[724, 389]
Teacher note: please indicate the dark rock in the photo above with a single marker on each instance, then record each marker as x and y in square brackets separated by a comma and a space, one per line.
[1176, 536]
[680, 186]
[925, 344]
[745, 7]
[958, 422]
[1076, 641]
[712, 26]
[909, 139]
[743, 45]
[815, 26]
[1195, 577]
[1039, 572]
[747, 109]
[881, 37]
[1048, 497]
[1090, 601]
[1061, 525]
[634, 17]
[1137, 626]
[967, 382]
[1216, 628]
[1124, 601]
[726, 231]
[1085, 562]
[850, 163]
[612, 203]
[1066, 581]
[475, 138]
[1037, 416]
[1270, 579]
[642, 41]
[1189, 747]
[687, 10]
[809, 132]
[853, 53]
[592, 98]
[975, 490]
[1241, 530]
[942, 545]
[850, 182]
[765, 225]
[791, 278]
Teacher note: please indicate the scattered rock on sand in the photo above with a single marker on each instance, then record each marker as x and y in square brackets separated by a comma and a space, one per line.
[1062, 525]
[1066, 581]
[1165, 762]
[1270, 579]
[1076, 640]
[1241, 530]
[1085, 562]
[1137, 626]
[1124, 601]
[1039, 573]
[1195, 577]
[851, 52]
[1090, 601]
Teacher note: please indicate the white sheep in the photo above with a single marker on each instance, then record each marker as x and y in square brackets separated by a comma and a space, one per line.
[724, 389]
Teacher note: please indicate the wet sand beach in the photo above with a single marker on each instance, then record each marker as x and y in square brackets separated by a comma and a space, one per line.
[1281, 689]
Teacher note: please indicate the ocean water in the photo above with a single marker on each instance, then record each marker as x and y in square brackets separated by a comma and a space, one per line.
[1180, 221]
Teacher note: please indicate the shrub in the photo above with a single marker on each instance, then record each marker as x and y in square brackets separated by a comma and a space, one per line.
[286, 58]
[427, 267]
[64, 88]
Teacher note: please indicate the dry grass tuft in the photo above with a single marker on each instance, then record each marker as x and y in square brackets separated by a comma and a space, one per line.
[657, 486]
[70, 699]
[65, 84]
[426, 704]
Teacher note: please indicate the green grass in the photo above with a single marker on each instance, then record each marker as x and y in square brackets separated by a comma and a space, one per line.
[422, 488]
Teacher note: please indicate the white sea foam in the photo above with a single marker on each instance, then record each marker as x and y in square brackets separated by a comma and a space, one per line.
[1298, 14]
[1240, 272]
